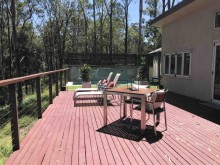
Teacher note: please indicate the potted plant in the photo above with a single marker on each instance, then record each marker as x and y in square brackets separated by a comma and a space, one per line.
[86, 79]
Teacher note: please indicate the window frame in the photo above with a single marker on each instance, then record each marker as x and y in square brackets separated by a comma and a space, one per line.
[173, 54]
[190, 59]
[165, 64]
[215, 20]
[182, 63]
[182, 53]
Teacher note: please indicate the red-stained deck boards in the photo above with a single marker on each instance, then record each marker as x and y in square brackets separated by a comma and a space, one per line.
[69, 135]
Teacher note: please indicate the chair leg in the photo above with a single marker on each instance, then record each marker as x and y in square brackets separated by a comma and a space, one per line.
[74, 99]
[155, 131]
[165, 118]
[102, 101]
[148, 117]
[131, 113]
[74, 104]
[120, 105]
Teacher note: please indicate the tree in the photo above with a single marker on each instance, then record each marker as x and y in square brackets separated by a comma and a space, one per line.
[55, 31]
[14, 37]
[126, 4]
[94, 27]
[133, 38]
[84, 5]
[2, 29]
[102, 15]
[140, 40]
[109, 6]
[153, 34]
[167, 4]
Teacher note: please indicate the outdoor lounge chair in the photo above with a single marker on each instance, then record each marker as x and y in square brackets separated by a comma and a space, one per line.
[98, 85]
[154, 106]
[98, 91]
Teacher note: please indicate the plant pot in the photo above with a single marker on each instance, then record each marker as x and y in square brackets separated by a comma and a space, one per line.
[86, 84]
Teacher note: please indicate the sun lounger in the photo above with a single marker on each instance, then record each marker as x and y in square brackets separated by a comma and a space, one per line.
[98, 85]
[90, 93]
[101, 87]
[95, 92]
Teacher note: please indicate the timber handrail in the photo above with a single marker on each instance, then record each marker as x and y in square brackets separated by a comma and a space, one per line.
[24, 78]
[11, 83]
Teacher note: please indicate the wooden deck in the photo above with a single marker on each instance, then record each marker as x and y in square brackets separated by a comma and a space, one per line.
[74, 135]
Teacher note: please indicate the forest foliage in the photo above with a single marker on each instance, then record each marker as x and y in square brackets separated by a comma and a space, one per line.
[36, 35]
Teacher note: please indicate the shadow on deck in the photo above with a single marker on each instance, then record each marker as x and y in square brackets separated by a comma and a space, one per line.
[123, 129]
[195, 106]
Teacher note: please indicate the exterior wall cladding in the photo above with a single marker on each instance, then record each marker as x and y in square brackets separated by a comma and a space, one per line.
[196, 33]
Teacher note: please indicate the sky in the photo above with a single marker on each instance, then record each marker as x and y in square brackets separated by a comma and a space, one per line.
[134, 11]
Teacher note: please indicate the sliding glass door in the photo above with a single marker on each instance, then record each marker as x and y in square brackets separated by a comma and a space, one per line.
[216, 86]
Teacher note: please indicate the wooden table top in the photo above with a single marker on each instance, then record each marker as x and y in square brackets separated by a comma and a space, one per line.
[141, 91]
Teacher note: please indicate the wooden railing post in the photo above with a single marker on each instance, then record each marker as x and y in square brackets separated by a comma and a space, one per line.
[50, 89]
[39, 101]
[61, 84]
[57, 85]
[14, 117]
[65, 77]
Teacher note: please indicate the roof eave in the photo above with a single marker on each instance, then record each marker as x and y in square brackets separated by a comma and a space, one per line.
[157, 21]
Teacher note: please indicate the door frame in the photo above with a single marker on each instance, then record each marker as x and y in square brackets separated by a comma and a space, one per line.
[217, 43]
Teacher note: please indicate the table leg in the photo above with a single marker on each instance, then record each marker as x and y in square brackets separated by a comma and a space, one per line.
[105, 117]
[143, 115]
[124, 106]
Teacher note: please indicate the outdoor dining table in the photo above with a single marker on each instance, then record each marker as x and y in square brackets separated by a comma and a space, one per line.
[124, 92]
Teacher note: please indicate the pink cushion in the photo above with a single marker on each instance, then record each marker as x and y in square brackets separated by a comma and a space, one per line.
[111, 84]
[104, 81]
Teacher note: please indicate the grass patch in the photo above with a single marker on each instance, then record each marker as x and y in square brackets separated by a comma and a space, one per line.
[26, 120]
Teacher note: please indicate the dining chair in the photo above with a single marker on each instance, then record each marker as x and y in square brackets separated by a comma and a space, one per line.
[154, 106]
[133, 101]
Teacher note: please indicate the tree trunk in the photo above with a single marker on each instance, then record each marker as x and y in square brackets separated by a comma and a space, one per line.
[111, 29]
[15, 48]
[2, 43]
[9, 42]
[168, 4]
[173, 3]
[163, 6]
[126, 5]
[140, 27]
[101, 30]
[94, 30]
[86, 33]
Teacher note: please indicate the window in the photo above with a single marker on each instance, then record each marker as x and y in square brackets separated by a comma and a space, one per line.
[172, 64]
[178, 64]
[217, 19]
[186, 64]
[167, 64]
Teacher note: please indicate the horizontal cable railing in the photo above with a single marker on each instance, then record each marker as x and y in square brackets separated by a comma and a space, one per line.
[40, 89]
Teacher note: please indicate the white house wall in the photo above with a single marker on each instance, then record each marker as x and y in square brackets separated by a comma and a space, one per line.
[194, 33]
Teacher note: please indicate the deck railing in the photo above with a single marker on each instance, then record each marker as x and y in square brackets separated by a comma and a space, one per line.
[13, 112]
